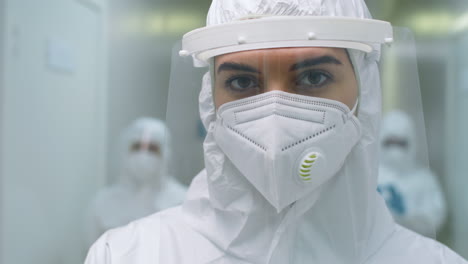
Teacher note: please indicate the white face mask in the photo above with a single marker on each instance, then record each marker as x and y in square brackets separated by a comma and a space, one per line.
[396, 157]
[143, 166]
[285, 144]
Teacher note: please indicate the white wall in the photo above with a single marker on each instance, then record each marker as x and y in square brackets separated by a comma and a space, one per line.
[53, 120]
[2, 51]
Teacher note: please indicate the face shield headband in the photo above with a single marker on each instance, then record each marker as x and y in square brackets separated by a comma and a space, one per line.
[285, 31]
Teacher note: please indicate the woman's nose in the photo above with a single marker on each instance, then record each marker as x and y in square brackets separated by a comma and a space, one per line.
[277, 84]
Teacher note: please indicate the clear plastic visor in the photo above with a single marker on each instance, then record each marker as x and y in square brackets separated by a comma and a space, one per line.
[322, 72]
[329, 73]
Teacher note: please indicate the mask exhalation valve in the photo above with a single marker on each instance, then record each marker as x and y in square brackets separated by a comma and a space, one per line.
[306, 165]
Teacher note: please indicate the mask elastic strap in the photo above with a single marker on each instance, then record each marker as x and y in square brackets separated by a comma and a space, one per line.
[351, 113]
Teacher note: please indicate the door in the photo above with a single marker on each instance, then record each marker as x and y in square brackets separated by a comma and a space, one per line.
[53, 121]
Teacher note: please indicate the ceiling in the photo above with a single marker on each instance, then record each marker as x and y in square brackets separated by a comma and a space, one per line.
[398, 12]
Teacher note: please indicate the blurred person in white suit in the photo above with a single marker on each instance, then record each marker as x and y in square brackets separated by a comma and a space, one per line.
[411, 191]
[144, 187]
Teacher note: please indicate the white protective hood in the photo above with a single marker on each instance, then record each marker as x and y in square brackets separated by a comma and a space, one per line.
[347, 223]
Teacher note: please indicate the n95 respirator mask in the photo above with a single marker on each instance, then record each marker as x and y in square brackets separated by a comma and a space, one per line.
[286, 145]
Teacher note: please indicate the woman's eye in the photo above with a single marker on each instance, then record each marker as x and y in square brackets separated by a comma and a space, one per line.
[313, 78]
[241, 83]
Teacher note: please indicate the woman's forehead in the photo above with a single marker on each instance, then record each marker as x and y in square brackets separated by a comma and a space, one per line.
[285, 55]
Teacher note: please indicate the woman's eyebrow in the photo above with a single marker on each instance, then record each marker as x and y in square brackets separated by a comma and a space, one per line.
[233, 66]
[327, 59]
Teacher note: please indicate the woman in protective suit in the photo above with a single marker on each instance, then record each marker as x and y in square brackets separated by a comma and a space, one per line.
[292, 107]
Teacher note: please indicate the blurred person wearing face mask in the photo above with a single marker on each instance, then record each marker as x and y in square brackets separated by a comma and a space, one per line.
[291, 105]
[412, 192]
[144, 186]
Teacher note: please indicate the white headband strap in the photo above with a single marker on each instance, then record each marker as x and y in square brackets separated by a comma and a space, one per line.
[285, 31]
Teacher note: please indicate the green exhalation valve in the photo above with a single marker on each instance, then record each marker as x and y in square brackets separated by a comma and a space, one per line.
[305, 167]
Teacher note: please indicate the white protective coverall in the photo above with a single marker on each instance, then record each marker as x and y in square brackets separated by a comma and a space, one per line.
[225, 219]
[144, 187]
[411, 191]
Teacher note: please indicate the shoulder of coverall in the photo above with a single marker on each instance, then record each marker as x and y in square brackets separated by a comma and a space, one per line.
[125, 242]
[407, 247]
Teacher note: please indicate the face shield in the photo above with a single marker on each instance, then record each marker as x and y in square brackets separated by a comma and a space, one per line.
[290, 109]
[277, 60]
